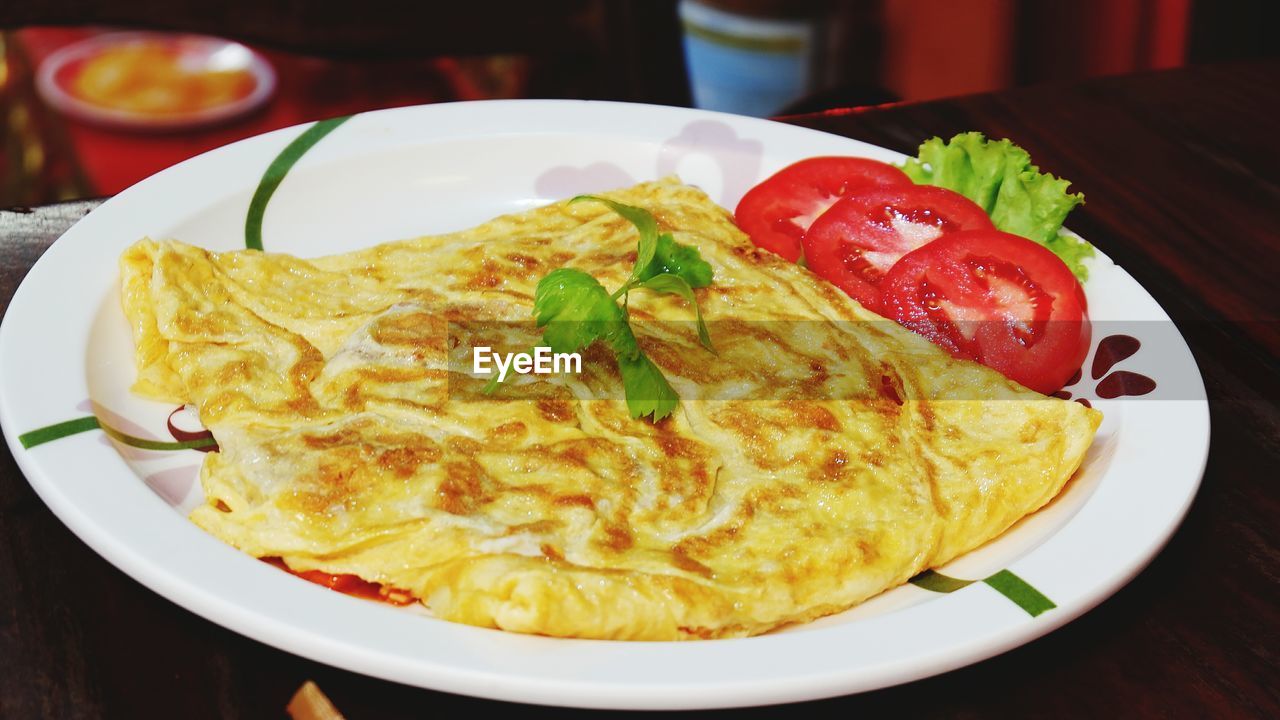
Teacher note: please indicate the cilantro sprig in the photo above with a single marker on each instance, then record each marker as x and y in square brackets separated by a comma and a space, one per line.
[574, 310]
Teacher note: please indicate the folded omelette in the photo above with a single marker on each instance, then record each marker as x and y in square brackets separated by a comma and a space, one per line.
[821, 456]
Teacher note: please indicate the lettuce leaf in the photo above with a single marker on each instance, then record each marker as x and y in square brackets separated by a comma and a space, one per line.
[999, 176]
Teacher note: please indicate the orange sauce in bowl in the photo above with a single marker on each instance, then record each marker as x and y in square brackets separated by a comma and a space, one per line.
[149, 78]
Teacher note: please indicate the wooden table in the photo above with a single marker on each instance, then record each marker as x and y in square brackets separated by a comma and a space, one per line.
[1180, 171]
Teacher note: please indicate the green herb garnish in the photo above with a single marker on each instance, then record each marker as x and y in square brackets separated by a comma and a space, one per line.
[574, 309]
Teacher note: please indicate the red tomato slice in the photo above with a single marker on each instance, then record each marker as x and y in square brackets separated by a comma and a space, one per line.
[854, 243]
[996, 298]
[777, 212]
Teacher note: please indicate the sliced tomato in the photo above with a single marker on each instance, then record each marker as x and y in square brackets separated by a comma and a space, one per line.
[856, 241]
[996, 298]
[777, 212]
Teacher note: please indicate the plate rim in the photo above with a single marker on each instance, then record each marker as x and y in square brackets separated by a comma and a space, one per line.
[539, 690]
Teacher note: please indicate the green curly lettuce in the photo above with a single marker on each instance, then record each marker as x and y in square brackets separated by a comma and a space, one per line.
[999, 177]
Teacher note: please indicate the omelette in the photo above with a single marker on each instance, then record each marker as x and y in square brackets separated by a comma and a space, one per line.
[819, 457]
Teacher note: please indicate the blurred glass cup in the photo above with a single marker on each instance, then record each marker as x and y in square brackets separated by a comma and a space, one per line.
[750, 57]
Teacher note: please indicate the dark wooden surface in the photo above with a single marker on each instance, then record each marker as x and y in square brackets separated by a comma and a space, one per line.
[1180, 171]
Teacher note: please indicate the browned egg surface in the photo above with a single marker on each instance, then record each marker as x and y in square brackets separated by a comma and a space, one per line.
[822, 456]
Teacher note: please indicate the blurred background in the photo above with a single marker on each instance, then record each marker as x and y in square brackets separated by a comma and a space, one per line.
[96, 95]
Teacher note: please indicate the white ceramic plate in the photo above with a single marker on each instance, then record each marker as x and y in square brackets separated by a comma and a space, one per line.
[195, 53]
[65, 353]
